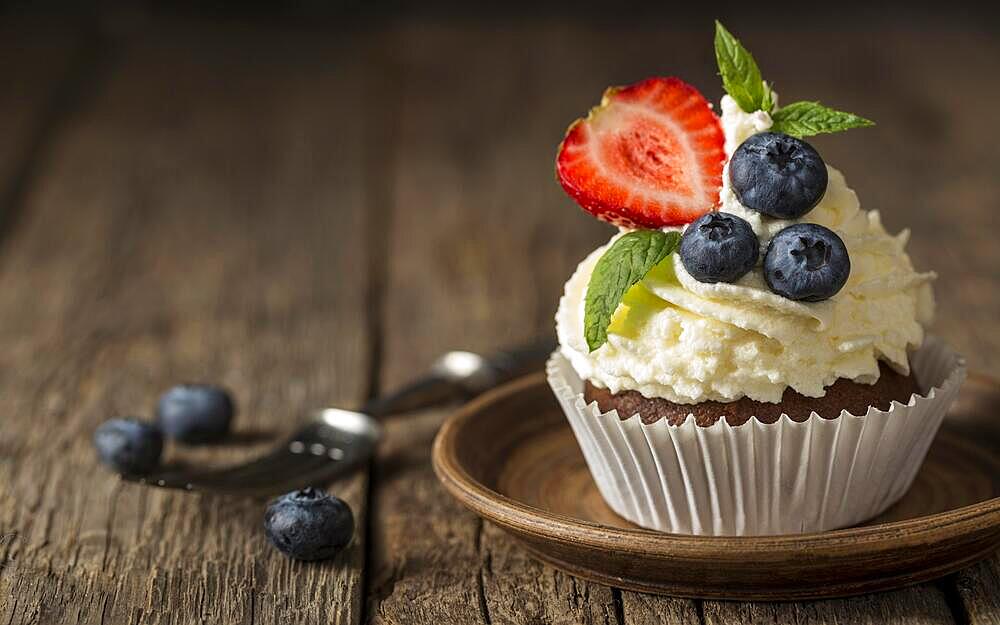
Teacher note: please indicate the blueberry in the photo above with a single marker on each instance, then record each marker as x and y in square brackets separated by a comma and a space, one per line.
[195, 413]
[806, 262]
[719, 247]
[777, 175]
[309, 524]
[128, 445]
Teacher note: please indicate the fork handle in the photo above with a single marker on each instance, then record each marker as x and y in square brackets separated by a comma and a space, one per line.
[431, 390]
[443, 385]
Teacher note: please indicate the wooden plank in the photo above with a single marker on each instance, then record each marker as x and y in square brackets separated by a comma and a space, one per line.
[976, 592]
[471, 280]
[203, 218]
[922, 605]
[40, 62]
[502, 242]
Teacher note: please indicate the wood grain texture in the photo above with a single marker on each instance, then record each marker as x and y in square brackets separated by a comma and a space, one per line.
[45, 66]
[198, 220]
[913, 606]
[977, 592]
[433, 561]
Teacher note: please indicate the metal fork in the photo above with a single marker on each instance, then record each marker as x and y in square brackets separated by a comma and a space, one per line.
[336, 441]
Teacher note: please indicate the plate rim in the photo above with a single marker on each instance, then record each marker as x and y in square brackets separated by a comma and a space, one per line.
[527, 519]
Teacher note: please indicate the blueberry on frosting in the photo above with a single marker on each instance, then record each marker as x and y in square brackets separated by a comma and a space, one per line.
[719, 247]
[777, 175]
[806, 262]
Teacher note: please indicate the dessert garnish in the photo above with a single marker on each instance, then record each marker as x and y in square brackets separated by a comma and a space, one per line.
[742, 80]
[719, 247]
[626, 262]
[651, 157]
[806, 262]
[777, 175]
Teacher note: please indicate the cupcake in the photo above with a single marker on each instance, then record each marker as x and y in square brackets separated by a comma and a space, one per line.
[747, 355]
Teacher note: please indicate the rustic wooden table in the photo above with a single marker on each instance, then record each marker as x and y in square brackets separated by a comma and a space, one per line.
[310, 215]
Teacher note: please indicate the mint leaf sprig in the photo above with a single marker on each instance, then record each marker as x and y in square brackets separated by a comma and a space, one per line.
[740, 75]
[804, 119]
[626, 262]
[742, 80]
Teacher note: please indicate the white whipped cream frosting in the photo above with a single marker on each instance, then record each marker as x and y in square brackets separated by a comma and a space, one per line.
[726, 341]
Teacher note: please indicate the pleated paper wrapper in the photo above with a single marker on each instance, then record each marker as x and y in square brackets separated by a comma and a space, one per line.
[757, 478]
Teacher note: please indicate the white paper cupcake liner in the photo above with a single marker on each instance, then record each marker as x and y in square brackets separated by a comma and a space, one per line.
[757, 478]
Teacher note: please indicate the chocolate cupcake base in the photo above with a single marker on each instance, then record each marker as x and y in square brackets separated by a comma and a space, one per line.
[853, 397]
[789, 476]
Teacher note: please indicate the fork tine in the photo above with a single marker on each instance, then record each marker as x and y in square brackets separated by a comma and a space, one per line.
[267, 474]
[335, 442]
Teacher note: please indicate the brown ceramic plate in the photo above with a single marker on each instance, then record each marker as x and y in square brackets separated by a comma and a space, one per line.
[511, 457]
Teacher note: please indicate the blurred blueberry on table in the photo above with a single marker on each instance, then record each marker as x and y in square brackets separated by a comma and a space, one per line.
[129, 445]
[309, 524]
[195, 413]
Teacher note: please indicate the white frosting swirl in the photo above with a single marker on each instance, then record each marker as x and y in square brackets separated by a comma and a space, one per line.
[725, 341]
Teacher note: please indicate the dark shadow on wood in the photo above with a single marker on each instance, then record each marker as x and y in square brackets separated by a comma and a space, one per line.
[381, 139]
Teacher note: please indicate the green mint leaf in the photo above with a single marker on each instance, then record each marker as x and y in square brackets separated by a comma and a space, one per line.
[740, 74]
[768, 103]
[626, 262]
[804, 119]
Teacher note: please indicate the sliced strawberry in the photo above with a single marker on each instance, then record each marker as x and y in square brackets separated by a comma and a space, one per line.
[649, 156]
